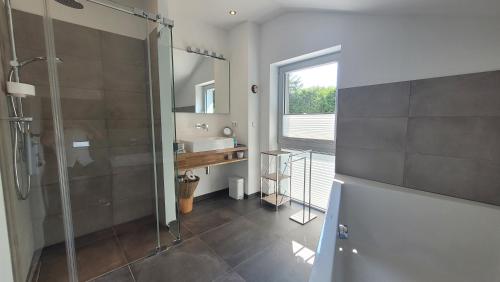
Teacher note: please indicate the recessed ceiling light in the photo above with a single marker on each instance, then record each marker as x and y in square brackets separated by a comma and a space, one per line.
[232, 12]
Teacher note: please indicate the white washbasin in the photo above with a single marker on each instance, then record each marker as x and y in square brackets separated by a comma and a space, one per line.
[207, 144]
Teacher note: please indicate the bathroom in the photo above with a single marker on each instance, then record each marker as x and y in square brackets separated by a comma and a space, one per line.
[400, 168]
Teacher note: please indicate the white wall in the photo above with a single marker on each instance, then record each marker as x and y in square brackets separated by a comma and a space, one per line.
[5, 257]
[254, 128]
[376, 49]
[244, 104]
[239, 95]
[189, 31]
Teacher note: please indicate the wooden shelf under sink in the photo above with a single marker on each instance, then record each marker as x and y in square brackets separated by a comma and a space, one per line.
[209, 158]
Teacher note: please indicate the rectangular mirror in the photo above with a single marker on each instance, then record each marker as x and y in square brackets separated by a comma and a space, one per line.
[201, 83]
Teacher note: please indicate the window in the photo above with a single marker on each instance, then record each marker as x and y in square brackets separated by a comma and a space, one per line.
[308, 91]
[307, 107]
[209, 98]
[205, 97]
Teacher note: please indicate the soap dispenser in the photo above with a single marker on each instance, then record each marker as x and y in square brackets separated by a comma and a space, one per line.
[235, 140]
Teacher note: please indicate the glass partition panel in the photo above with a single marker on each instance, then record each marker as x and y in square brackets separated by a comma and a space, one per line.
[29, 163]
[98, 151]
[165, 104]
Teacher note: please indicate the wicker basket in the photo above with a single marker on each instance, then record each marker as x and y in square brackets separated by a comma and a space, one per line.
[186, 191]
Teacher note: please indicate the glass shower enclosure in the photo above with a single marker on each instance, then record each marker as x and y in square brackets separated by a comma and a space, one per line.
[101, 160]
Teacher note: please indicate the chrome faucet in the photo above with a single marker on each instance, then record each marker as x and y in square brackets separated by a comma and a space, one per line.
[203, 126]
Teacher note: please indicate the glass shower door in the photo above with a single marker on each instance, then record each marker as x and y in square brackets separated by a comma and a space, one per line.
[111, 131]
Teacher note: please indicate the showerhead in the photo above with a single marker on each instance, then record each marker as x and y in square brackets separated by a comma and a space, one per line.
[35, 59]
[71, 3]
[27, 62]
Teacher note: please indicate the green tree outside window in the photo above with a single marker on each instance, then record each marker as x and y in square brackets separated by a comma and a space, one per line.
[310, 100]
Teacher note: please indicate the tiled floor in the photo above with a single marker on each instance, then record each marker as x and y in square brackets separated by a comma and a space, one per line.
[228, 240]
[104, 251]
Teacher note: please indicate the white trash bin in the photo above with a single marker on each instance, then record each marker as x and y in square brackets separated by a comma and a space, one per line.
[236, 187]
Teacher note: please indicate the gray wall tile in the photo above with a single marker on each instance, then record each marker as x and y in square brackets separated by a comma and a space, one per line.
[125, 77]
[85, 222]
[463, 178]
[93, 192]
[129, 137]
[76, 109]
[84, 194]
[28, 29]
[382, 166]
[451, 143]
[76, 40]
[463, 137]
[130, 209]
[119, 49]
[92, 219]
[373, 133]
[462, 95]
[131, 183]
[128, 150]
[80, 73]
[384, 100]
[100, 165]
[94, 130]
[126, 105]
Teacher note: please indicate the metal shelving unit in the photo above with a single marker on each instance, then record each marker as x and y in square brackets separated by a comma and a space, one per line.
[278, 167]
[275, 170]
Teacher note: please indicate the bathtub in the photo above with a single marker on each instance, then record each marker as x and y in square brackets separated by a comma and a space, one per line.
[403, 235]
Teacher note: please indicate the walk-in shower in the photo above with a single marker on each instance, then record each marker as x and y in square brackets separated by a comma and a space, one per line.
[92, 186]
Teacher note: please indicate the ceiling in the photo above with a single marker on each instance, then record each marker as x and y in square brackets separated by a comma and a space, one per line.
[216, 12]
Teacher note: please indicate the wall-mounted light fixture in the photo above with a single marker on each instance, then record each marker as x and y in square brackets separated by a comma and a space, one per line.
[205, 53]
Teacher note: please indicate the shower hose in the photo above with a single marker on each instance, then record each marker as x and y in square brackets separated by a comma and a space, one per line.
[22, 151]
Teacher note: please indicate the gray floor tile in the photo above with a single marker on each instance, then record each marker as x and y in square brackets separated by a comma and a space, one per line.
[238, 240]
[247, 206]
[230, 277]
[199, 223]
[120, 275]
[209, 205]
[276, 222]
[192, 260]
[308, 234]
[283, 262]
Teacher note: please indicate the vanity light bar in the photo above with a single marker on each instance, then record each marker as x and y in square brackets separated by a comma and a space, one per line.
[205, 53]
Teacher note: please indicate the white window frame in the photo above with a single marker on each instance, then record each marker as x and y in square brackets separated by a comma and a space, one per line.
[205, 89]
[316, 145]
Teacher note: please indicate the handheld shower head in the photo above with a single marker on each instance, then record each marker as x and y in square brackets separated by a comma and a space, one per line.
[71, 3]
